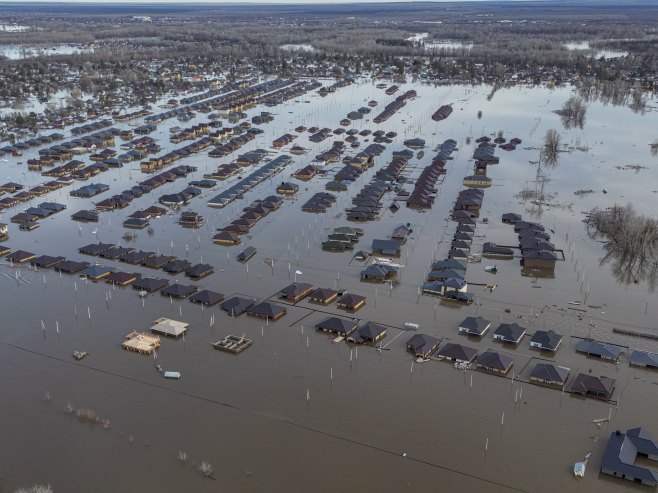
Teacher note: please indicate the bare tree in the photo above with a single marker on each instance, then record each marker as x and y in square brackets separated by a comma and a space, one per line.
[630, 241]
[573, 112]
[549, 152]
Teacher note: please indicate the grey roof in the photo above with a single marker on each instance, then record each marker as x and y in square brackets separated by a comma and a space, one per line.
[369, 331]
[547, 339]
[96, 270]
[449, 264]
[458, 352]
[179, 290]
[474, 325]
[199, 270]
[599, 349]
[266, 309]
[586, 383]
[621, 452]
[494, 361]
[236, 305]
[338, 325]
[207, 297]
[509, 332]
[644, 358]
[70, 266]
[295, 289]
[422, 344]
[150, 284]
[547, 372]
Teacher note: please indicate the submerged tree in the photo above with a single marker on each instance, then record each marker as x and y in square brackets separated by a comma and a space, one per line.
[630, 241]
[573, 112]
[549, 152]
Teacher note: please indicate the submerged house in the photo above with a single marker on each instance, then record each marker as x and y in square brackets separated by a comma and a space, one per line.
[323, 296]
[336, 325]
[266, 310]
[546, 340]
[387, 248]
[644, 359]
[351, 302]
[422, 345]
[620, 456]
[591, 386]
[296, 291]
[549, 375]
[236, 305]
[599, 350]
[457, 353]
[509, 333]
[368, 332]
[475, 326]
[494, 362]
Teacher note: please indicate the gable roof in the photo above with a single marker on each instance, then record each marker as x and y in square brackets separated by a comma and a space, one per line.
[458, 352]
[620, 455]
[236, 305]
[495, 361]
[338, 325]
[607, 351]
[422, 344]
[546, 339]
[548, 372]
[474, 325]
[509, 332]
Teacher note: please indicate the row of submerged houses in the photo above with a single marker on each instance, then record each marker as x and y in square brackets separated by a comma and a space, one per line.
[422, 196]
[447, 277]
[152, 260]
[319, 202]
[232, 97]
[190, 133]
[158, 163]
[394, 106]
[254, 178]
[537, 251]
[343, 238]
[294, 90]
[340, 83]
[16, 148]
[500, 364]
[21, 195]
[230, 235]
[233, 144]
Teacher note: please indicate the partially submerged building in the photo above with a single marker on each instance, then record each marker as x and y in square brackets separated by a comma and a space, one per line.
[620, 456]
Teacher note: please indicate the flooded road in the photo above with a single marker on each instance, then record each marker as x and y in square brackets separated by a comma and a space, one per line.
[296, 411]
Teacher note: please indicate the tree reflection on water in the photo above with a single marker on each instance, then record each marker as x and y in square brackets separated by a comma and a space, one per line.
[630, 241]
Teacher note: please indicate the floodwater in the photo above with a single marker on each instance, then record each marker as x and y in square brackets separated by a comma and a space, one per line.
[585, 46]
[297, 47]
[18, 52]
[296, 411]
[438, 44]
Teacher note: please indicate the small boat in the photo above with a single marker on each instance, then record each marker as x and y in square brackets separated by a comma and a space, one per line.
[579, 467]
[491, 268]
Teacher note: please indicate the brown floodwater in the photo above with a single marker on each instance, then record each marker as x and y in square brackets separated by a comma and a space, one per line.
[297, 412]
